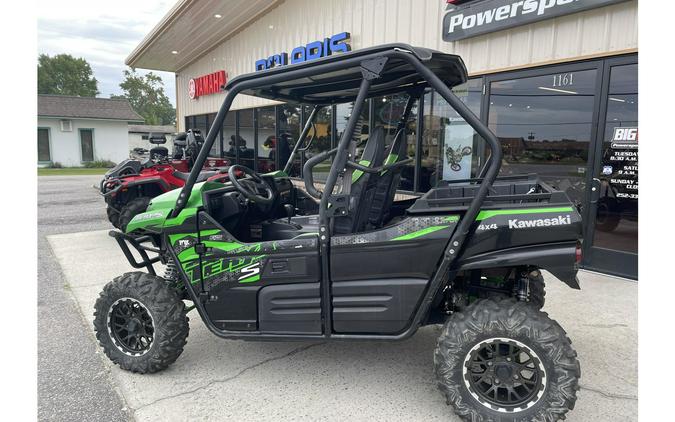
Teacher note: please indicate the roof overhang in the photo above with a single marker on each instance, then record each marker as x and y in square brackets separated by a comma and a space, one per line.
[191, 29]
[107, 119]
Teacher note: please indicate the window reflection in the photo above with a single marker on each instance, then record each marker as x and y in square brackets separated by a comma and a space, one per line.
[321, 133]
[616, 224]
[245, 142]
[229, 134]
[387, 112]
[266, 140]
[544, 124]
[289, 132]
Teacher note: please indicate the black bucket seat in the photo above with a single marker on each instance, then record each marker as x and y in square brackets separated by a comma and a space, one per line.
[361, 193]
[388, 182]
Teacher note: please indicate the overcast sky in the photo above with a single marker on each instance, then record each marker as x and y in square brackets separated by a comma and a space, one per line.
[103, 33]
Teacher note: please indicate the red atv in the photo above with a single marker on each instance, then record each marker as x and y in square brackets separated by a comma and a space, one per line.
[128, 187]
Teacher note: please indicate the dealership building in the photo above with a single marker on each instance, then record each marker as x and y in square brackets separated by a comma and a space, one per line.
[555, 80]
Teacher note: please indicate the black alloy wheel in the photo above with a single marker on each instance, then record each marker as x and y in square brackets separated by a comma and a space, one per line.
[131, 326]
[504, 374]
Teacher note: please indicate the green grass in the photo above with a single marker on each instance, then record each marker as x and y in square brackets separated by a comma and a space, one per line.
[70, 171]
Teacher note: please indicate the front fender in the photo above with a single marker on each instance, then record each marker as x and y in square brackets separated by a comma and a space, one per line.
[557, 258]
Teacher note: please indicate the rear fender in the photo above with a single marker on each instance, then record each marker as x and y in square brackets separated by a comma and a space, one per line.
[158, 181]
[557, 258]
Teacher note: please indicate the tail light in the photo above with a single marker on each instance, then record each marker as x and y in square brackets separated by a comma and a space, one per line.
[578, 256]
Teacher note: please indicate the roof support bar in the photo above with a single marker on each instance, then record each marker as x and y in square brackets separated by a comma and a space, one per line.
[301, 138]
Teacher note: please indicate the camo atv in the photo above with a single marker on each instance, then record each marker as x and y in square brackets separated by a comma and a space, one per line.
[259, 259]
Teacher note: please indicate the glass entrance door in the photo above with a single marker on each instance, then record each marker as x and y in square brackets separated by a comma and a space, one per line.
[546, 120]
[612, 238]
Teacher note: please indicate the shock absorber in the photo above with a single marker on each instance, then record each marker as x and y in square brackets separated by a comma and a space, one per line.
[521, 288]
[171, 272]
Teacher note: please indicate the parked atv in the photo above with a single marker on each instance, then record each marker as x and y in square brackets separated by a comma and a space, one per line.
[468, 254]
[128, 187]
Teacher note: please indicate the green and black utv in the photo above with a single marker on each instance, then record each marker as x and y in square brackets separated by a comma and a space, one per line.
[260, 259]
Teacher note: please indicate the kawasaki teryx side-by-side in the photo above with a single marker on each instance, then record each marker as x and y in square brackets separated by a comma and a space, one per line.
[260, 260]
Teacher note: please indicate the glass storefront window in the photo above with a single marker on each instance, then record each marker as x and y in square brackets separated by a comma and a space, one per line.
[215, 149]
[289, 132]
[450, 147]
[229, 136]
[321, 141]
[246, 140]
[267, 140]
[544, 124]
[387, 112]
[616, 224]
[201, 122]
[342, 114]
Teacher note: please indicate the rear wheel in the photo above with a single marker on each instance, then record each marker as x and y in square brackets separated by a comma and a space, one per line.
[131, 209]
[503, 360]
[140, 322]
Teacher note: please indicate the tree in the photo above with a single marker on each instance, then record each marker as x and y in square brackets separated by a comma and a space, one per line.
[147, 97]
[64, 74]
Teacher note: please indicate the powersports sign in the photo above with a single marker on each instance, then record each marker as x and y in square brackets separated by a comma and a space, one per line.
[481, 17]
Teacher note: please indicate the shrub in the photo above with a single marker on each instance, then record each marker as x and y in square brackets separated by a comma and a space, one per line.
[99, 164]
[55, 165]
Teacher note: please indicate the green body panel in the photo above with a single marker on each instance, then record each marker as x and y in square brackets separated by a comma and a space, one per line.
[157, 214]
[276, 174]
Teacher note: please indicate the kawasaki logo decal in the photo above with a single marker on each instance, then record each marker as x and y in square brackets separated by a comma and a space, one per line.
[541, 222]
[484, 215]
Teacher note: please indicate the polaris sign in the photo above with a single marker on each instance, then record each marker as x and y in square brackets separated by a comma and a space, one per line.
[482, 17]
[314, 50]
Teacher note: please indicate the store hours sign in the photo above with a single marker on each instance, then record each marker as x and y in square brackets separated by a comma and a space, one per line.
[479, 17]
[620, 162]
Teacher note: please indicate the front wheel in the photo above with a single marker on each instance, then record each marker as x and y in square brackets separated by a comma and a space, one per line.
[113, 216]
[503, 360]
[140, 322]
[131, 210]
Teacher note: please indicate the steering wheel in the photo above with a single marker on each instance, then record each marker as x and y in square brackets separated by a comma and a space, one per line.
[251, 186]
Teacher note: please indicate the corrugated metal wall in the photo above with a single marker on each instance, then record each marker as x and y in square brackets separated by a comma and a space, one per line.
[603, 31]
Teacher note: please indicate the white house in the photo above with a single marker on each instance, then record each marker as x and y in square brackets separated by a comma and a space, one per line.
[75, 130]
[139, 135]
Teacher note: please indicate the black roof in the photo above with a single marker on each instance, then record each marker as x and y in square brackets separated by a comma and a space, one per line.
[66, 106]
[337, 77]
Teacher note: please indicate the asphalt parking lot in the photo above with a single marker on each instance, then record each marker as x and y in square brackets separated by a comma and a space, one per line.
[216, 379]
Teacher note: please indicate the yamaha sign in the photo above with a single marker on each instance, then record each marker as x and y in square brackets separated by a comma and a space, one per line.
[481, 17]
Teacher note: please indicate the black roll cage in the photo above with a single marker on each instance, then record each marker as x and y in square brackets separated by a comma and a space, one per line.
[371, 66]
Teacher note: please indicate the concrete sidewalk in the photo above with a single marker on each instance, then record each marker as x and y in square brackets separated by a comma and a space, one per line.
[216, 379]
